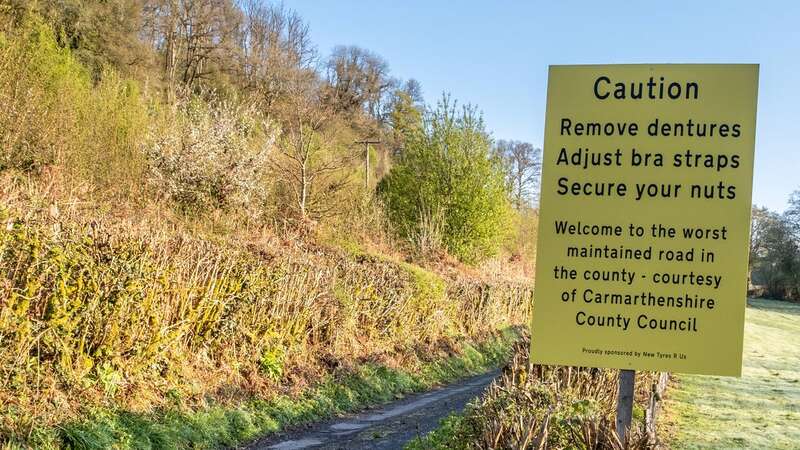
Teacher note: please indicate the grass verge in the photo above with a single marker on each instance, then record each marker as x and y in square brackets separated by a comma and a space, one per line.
[221, 426]
[759, 410]
[447, 436]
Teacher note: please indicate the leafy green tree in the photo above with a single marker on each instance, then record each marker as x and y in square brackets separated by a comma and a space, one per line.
[101, 34]
[446, 187]
[405, 119]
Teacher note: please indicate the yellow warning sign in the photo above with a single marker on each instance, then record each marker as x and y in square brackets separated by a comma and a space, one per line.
[645, 217]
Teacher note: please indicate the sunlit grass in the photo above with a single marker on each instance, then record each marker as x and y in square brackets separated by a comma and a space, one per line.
[218, 426]
[759, 410]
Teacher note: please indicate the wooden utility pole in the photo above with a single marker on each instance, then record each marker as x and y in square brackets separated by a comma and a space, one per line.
[627, 379]
[366, 143]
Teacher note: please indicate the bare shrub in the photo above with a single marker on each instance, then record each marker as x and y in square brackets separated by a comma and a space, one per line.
[541, 407]
[427, 238]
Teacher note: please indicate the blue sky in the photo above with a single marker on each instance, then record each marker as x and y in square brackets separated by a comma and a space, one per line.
[495, 55]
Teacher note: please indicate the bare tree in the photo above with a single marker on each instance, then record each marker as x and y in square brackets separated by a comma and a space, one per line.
[792, 214]
[413, 88]
[312, 162]
[761, 221]
[275, 47]
[358, 80]
[195, 38]
[523, 165]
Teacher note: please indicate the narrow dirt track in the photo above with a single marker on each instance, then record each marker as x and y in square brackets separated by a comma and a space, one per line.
[387, 427]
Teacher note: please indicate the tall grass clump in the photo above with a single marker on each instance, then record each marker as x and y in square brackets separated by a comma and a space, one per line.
[536, 407]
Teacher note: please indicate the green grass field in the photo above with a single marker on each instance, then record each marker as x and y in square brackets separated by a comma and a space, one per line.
[759, 410]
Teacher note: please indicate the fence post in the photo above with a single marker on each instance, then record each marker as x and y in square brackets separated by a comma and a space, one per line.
[654, 407]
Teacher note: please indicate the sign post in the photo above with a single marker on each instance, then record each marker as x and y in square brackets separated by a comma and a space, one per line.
[644, 219]
[627, 380]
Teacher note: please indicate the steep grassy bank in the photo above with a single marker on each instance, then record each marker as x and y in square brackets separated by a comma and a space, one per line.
[759, 410]
[114, 317]
[219, 425]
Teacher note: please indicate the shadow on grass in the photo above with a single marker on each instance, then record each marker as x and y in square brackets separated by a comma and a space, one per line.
[778, 306]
